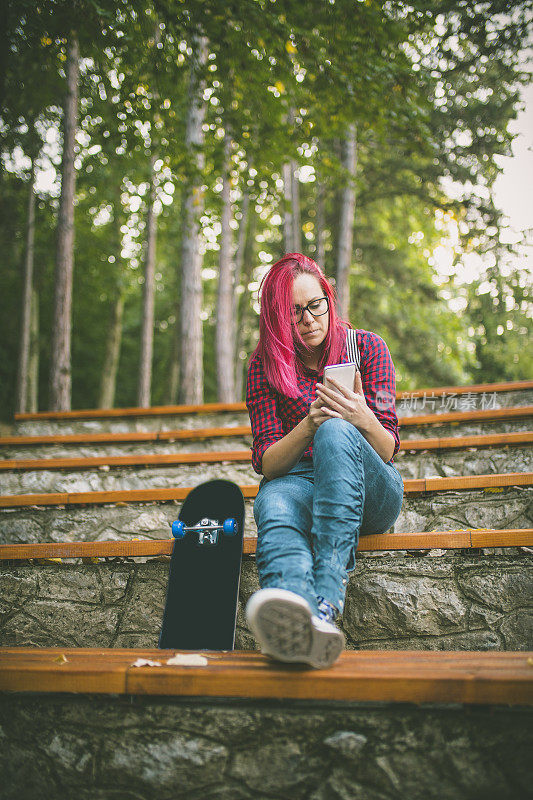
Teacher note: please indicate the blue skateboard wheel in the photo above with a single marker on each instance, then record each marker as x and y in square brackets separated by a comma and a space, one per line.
[178, 529]
[229, 526]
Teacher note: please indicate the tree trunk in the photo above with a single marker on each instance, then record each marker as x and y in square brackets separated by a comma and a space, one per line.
[33, 365]
[190, 322]
[60, 370]
[295, 197]
[147, 336]
[25, 335]
[174, 371]
[108, 378]
[320, 225]
[238, 299]
[288, 227]
[226, 322]
[109, 374]
[291, 192]
[292, 229]
[344, 256]
[247, 317]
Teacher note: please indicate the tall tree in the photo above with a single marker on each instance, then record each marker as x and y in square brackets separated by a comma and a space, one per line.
[190, 321]
[110, 367]
[226, 322]
[288, 225]
[237, 306]
[23, 380]
[60, 367]
[33, 362]
[147, 336]
[320, 223]
[345, 243]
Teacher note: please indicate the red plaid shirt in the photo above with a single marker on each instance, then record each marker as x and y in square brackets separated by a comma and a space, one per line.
[273, 415]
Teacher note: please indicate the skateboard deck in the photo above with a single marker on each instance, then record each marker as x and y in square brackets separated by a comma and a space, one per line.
[203, 584]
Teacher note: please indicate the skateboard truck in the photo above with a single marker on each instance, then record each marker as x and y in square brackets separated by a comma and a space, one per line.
[208, 529]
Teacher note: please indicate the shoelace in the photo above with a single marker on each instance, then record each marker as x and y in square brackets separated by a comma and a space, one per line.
[326, 611]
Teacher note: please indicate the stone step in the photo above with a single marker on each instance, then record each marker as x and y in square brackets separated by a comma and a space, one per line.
[55, 447]
[131, 424]
[376, 725]
[424, 401]
[468, 677]
[469, 538]
[433, 401]
[433, 599]
[490, 501]
[454, 424]
[178, 469]
[472, 460]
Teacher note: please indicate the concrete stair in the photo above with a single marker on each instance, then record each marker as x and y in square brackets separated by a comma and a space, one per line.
[460, 424]
[450, 456]
[458, 486]
[443, 400]
[377, 725]
[455, 596]
[438, 619]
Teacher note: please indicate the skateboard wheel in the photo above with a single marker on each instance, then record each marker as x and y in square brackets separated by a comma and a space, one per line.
[229, 526]
[178, 529]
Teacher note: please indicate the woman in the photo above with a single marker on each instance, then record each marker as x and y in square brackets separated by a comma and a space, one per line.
[326, 456]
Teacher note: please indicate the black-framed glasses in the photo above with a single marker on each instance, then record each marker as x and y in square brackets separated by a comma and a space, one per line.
[316, 308]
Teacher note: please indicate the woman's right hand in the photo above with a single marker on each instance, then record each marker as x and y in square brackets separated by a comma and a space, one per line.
[319, 413]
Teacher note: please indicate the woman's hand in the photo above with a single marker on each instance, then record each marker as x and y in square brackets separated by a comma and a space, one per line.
[352, 407]
[346, 404]
[319, 413]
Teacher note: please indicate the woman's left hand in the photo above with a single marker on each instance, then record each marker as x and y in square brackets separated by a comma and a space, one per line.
[346, 404]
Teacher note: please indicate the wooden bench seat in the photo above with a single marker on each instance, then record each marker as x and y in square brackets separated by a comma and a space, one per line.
[370, 675]
[173, 459]
[215, 408]
[485, 415]
[471, 538]
[411, 486]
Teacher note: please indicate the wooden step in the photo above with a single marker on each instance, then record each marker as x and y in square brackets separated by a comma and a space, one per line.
[487, 415]
[211, 408]
[441, 540]
[131, 436]
[411, 486]
[372, 675]
[243, 456]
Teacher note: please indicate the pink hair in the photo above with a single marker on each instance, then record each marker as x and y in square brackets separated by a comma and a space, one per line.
[279, 338]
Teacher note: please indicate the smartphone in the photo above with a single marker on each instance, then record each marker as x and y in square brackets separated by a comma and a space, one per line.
[342, 373]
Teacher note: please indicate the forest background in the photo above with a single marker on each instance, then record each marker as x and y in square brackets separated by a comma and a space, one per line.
[159, 155]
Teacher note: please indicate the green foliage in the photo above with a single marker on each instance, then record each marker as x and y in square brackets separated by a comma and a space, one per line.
[500, 312]
[431, 88]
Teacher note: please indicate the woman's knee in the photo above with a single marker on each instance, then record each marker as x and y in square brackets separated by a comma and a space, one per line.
[281, 506]
[336, 432]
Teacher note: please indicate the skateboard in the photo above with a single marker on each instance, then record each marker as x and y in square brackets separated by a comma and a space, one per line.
[203, 583]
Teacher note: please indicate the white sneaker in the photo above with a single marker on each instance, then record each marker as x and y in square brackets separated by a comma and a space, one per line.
[286, 629]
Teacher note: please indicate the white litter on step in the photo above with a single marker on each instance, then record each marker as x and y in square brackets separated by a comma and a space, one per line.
[187, 660]
[145, 662]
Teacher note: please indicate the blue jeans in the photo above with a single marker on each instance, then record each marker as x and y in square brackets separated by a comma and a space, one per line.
[309, 520]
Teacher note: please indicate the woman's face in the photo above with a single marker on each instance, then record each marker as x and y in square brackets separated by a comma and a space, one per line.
[306, 289]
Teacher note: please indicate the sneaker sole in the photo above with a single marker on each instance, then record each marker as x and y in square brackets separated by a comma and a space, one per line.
[282, 623]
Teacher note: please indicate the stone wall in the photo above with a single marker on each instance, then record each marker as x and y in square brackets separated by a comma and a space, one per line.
[445, 600]
[242, 442]
[135, 748]
[446, 463]
[216, 443]
[151, 422]
[509, 507]
[469, 401]
[415, 406]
